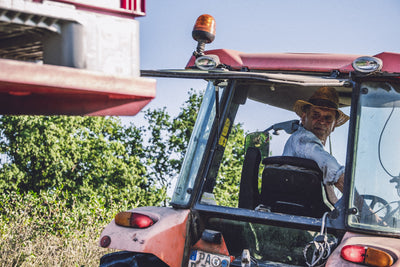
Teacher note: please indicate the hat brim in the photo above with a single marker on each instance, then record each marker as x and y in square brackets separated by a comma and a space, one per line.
[298, 108]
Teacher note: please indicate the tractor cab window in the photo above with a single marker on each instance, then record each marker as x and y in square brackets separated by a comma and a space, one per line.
[197, 147]
[376, 159]
[247, 169]
[247, 176]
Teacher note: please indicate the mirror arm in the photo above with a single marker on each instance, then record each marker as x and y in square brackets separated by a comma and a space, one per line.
[288, 126]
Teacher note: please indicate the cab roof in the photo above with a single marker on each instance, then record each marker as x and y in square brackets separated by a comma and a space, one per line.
[298, 62]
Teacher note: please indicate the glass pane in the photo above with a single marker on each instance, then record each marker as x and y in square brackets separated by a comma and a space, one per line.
[196, 148]
[267, 244]
[248, 122]
[376, 165]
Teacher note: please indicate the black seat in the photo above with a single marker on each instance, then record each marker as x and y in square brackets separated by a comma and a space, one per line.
[293, 186]
[248, 192]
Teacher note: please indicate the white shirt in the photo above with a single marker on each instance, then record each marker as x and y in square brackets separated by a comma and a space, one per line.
[304, 144]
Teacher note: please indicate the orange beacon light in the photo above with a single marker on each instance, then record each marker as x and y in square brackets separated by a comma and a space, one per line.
[203, 32]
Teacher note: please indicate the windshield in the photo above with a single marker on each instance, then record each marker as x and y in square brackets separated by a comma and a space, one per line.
[236, 177]
[375, 189]
[243, 193]
[196, 148]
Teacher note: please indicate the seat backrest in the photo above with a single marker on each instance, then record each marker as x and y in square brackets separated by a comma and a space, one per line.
[248, 191]
[293, 186]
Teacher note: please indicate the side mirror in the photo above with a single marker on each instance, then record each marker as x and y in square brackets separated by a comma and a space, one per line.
[258, 140]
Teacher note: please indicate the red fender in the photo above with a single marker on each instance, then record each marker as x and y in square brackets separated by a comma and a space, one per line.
[164, 239]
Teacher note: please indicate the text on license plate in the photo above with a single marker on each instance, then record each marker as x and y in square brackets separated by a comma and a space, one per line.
[200, 258]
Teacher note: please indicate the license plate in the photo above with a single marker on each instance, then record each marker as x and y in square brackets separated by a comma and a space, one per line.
[200, 258]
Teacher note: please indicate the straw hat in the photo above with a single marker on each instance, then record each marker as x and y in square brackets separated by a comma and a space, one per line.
[325, 97]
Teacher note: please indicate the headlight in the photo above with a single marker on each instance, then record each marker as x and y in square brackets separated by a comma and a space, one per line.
[367, 65]
[207, 62]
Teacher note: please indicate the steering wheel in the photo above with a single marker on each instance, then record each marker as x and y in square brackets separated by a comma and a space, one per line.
[378, 205]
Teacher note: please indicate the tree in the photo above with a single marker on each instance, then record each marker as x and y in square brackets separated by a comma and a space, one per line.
[63, 178]
[82, 155]
[167, 139]
[227, 185]
[99, 156]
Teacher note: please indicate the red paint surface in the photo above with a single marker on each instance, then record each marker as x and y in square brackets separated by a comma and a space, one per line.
[297, 61]
[28, 88]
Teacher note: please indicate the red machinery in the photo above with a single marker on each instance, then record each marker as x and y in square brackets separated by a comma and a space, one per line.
[61, 57]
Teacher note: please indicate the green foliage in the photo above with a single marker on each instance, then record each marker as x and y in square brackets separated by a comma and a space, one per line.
[183, 124]
[64, 178]
[98, 156]
[83, 155]
[226, 190]
[56, 212]
[43, 229]
[162, 153]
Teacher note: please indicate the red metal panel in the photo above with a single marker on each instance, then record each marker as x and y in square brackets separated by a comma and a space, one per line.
[391, 63]
[231, 58]
[280, 61]
[166, 240]
[128, 8]
[28, 88]
[298, 61]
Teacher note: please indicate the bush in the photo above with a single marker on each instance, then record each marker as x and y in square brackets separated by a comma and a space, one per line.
[84, 155]
[62, 179]
[52, 228]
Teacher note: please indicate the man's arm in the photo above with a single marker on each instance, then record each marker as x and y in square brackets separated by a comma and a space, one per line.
[360, 202]
[340, 183]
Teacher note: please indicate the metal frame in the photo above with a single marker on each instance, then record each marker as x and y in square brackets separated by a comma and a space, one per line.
[291, 79]
[350, 154]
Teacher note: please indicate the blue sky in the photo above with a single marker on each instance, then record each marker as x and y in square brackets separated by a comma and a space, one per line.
[365, 27]
[307, 26]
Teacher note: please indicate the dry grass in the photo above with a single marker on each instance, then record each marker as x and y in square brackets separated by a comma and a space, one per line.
[23, 247]
[33, 234]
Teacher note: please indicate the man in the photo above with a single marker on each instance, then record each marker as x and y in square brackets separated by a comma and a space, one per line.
[319, 117]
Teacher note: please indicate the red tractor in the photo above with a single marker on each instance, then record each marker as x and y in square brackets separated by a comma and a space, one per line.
[280, 214]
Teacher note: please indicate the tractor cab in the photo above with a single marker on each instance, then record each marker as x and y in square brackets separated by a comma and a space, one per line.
[248, 205]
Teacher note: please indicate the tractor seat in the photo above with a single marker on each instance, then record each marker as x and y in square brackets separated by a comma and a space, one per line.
[294, 186]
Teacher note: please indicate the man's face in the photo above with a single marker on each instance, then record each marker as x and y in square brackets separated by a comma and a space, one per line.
[319, 121]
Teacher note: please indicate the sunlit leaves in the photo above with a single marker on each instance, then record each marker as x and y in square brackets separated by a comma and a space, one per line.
[99, 156]
[227, 185]
[83, 155]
